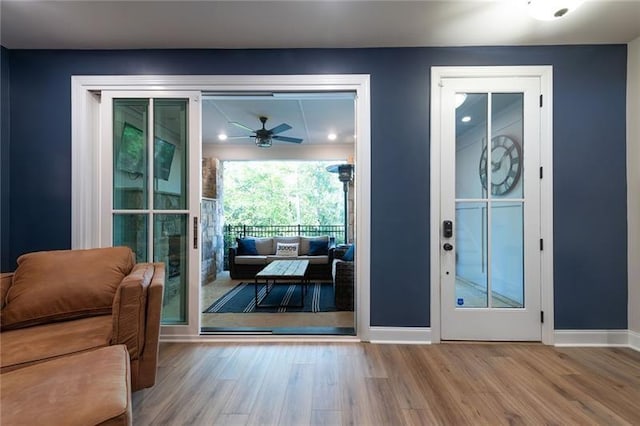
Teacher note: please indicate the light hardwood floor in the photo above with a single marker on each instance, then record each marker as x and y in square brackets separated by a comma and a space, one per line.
[368, 384]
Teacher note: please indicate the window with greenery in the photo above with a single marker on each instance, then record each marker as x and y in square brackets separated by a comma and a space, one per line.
[282, 193]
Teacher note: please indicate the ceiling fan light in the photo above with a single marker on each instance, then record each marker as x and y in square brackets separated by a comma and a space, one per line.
[263, 142]
[549, 10]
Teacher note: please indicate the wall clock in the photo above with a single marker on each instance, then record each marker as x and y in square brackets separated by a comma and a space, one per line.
[506, 165]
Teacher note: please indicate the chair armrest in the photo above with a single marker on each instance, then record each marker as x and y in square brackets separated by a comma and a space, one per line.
[129, 309]
[6, 279]
[149, 356]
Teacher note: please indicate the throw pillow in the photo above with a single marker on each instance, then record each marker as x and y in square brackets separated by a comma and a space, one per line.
[246, 247]
[318, 247]
[65, 284]
[287, 249]
[349, 254]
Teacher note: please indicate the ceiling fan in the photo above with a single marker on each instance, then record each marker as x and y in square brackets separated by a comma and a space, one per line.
[263, 137]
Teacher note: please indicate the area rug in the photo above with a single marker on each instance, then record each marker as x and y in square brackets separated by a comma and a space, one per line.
[241, 299]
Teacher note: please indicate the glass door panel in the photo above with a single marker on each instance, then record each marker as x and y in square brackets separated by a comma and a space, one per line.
[130, 163]
[150, 150]
[130, 230]
[471, 255]
[507, 255]
[170, 246]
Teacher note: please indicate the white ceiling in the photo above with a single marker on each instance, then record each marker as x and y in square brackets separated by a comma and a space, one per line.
[98, 24]
[311, 116]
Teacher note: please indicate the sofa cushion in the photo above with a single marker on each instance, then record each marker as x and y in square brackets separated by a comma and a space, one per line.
[59, 285]
[39, 343]
[305, 243]
[246, 246]
[318, 247]
[251, 260]
[284, 240]
[92, 388]
[287, 249]
[315, 260]
[264, 246]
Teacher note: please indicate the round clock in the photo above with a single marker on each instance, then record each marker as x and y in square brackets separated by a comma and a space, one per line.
[506, 165]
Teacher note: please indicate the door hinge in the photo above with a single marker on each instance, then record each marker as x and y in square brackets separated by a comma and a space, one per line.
[540, 172]
[541, 244]
[540, 101]
[542, 317]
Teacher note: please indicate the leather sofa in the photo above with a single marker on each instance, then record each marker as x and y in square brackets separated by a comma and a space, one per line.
[245, 265]
[60, 303]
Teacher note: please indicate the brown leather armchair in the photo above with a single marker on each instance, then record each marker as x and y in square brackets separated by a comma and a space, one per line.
[59, 303]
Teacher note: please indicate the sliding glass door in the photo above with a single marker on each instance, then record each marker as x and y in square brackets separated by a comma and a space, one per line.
[152, 188]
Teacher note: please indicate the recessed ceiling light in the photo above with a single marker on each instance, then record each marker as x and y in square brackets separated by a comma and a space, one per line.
[466, 119]
[548, 10]
[222, 136]
[332, 136]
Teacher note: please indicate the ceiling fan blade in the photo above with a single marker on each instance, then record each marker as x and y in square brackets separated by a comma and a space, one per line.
[279, 129]
[241, 137]
[287, 139]
[242, 126]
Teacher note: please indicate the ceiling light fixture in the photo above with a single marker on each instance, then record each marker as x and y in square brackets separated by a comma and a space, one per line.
[222, 136]
[466, 119]
[549, 10]
[263, 142]
[332, 136]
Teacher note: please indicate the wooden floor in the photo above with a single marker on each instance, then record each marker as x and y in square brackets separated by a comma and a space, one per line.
[368, 384]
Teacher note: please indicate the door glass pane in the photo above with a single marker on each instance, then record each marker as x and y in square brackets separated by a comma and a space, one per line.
[471, 142]
[170, 247]
[130, 123]
[471, 255]
[130, 230]
[170, 154]
[506, 144]
[507, 255]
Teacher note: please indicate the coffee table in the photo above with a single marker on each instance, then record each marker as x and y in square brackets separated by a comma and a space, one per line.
[282, 272]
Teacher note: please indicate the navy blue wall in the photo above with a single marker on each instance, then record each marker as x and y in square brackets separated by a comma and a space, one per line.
[589, 159]
[4, 159]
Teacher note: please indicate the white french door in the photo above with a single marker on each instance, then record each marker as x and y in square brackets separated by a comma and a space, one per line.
[489, 245]
[150, 180]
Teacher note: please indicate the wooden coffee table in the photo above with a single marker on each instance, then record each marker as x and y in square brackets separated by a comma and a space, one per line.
[282, 272]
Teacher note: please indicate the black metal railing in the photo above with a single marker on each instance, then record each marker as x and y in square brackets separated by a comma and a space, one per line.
[231, 232]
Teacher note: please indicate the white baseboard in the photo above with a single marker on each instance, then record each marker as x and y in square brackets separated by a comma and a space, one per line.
[400, 335]
[255, 338]
[591, 338]
[634, 340]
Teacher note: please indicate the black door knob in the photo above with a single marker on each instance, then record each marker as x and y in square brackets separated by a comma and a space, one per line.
[447, 247]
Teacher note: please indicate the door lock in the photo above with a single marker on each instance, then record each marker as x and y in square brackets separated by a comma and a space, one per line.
[447, 247]
[447, 229]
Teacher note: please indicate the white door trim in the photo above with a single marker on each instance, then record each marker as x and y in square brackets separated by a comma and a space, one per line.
[85, 128]
[545, 73]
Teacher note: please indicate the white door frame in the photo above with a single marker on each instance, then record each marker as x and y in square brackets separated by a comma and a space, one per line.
[86, 157]
[545, 73]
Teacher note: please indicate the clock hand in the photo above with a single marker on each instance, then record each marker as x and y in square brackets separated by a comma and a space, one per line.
[495, 166]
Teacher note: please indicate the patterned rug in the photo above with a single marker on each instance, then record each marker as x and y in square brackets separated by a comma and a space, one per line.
[319, 297]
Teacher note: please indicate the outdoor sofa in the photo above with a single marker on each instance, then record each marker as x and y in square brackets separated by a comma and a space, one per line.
[252, 254]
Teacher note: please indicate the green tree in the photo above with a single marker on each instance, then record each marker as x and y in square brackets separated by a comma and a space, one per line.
[282, 193]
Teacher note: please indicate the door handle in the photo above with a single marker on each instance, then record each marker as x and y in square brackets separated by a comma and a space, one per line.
[447, 247]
